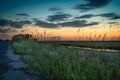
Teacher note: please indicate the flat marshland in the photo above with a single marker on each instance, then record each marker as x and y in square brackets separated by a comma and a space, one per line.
[58, 62]
[89, 44]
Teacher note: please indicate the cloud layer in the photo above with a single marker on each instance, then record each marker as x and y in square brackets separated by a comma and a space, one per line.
[58, 17]
[110, 16]
[78, 23]
[91, 4]
[61, 19]
[15, 24]
[23, 14]
[44, 24]
[85, 16]
[54, 9]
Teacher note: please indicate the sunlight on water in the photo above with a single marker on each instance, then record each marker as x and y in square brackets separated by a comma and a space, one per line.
[93, 49]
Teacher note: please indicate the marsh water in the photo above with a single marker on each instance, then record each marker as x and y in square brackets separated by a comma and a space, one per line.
[10, 65]
[95, 49]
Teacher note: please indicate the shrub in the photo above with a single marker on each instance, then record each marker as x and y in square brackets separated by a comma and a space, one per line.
[21, 37]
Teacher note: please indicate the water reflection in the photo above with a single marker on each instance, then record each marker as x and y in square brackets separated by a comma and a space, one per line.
[94, 49]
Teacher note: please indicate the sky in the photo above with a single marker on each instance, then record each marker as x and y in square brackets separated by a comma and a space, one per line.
[68, 19]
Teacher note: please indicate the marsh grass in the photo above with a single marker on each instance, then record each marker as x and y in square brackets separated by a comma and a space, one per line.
[56, 62]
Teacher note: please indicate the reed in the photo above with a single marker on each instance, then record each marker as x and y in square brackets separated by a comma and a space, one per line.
[56, 62]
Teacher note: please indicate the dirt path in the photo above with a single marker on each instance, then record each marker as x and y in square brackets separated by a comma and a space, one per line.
[10, 65]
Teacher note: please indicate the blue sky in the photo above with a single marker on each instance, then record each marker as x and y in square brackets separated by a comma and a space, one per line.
[54, 13]
[36, 8]
[39, 8]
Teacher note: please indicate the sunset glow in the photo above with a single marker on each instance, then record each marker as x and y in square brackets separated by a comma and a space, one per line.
[79, 20]
[68, 33]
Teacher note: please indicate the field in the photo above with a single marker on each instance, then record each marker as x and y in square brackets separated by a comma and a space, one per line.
[58, 62]
[89, 44]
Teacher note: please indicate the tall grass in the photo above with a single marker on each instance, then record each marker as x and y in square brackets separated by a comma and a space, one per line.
[55, 62]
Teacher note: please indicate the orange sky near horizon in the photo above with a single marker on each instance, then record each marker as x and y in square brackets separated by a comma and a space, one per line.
[98, 32]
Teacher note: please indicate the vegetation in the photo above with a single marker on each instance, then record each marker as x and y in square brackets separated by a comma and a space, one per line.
[58, 62]
[93, 44]
[20, 37]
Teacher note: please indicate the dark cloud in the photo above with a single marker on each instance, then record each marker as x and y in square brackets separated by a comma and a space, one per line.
[78, 23]
[58, 17]
[7, 29]
[35, 19]
[23, 14]
[54, 9]
[15, 24]
[91, 4]
[113, 23]
[85, 16]
[19, 24]
[116, 17]
[44, 24]
[74, 23]
[110, 16]
[92, 23]
[3, 30]
[4, 22]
